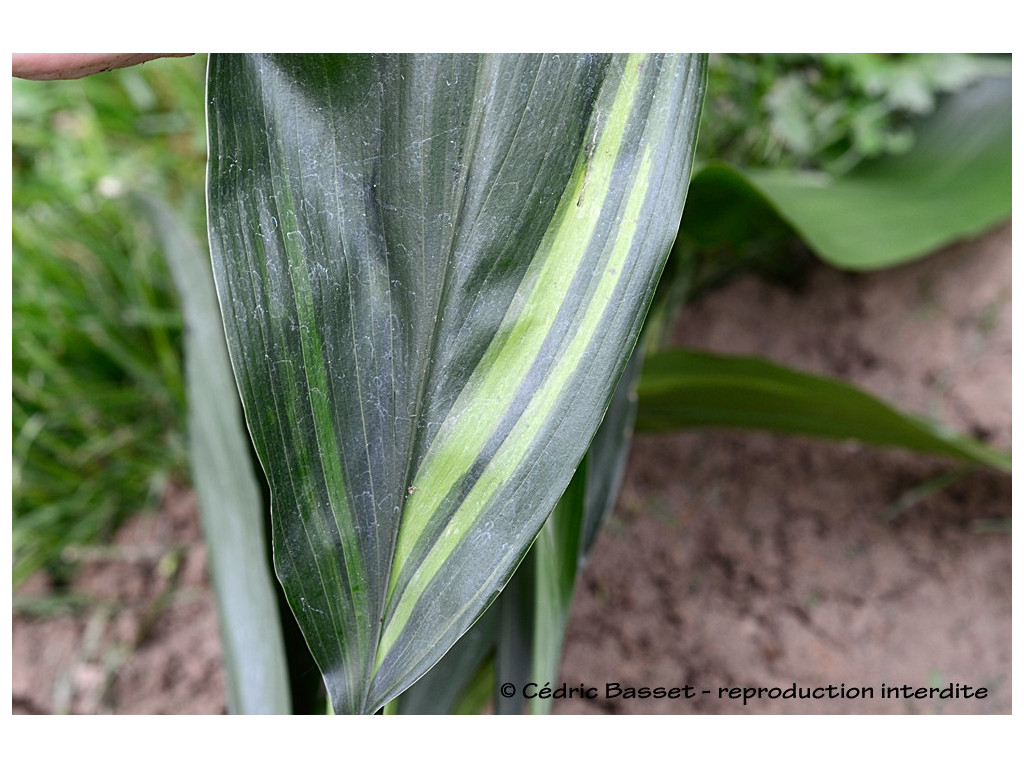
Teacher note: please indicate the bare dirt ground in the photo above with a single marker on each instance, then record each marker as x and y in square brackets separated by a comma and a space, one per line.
[734, 560]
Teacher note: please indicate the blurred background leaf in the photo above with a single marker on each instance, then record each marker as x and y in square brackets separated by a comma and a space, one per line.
[938, 170]
[685, 389]
[231, 507]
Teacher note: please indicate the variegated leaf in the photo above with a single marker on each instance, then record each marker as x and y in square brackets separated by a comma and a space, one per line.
[432, 271]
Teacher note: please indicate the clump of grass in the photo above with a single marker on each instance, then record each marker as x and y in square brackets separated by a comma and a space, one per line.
[98, 393]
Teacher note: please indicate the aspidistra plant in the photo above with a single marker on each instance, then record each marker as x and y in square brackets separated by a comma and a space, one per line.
[432, 271]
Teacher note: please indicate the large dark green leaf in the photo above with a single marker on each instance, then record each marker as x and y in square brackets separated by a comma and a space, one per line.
[954, 183]
[683, 389]
[432, 270]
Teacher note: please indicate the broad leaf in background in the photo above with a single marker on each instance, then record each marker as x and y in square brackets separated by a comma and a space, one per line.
[954, 183]
[683, 389]
[230, 502]
[432, 270]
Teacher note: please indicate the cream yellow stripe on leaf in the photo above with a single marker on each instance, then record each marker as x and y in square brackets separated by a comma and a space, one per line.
[509, 457]
[480, 407]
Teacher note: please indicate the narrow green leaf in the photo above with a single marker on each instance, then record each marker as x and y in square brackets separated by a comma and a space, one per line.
[432, 270]
[954, 183]
[682, 389]
[230, 504]
[513, 641]
[556, 557]
[609, 452]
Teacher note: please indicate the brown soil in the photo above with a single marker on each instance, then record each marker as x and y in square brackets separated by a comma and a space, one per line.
[140, 636]
[734, 560]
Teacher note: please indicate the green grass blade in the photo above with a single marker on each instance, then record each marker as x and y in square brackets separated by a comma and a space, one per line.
[953, 184]
[230, 503]
[561, 548]
[682, 389]
[432, 271]
[516, 612]
[556, 558]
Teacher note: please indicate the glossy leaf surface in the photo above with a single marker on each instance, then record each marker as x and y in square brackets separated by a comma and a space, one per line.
[432, 270]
